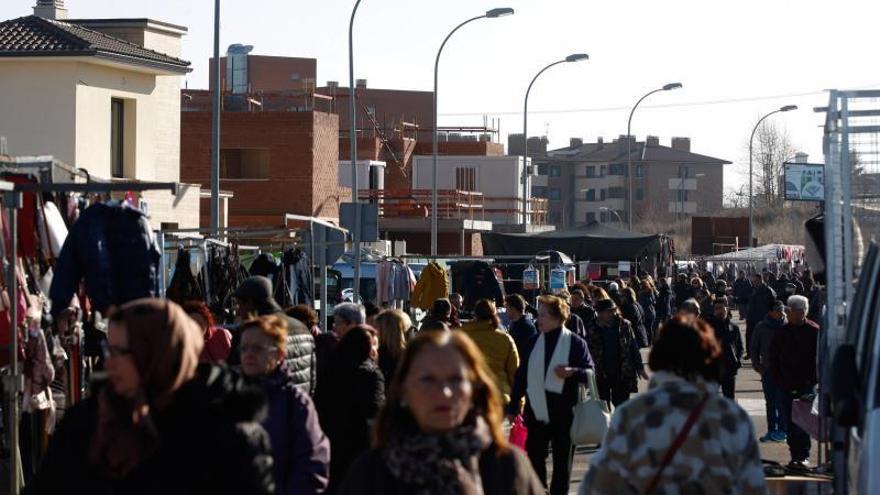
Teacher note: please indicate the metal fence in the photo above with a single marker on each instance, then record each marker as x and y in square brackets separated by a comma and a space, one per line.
[852, 196]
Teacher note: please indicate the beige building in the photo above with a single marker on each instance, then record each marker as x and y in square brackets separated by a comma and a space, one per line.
[99, 94]
[588, 182]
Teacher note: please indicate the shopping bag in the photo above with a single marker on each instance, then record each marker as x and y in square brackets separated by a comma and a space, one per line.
[518, 433]
[805, 414]
[591, 415]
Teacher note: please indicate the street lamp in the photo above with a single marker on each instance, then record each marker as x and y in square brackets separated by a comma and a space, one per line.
[629, 175]
[786, 108]
[575, 57]
[605, 208]
[352, 131]
[491, 14]
[215, 126]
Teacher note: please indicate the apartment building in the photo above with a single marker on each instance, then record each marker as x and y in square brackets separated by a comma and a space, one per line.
[588, 182]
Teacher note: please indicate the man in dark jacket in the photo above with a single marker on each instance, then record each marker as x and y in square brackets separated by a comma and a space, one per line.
[682, 290]
[760, 302]
[254, 298]
[742, 291]
[729, 337]
[615, 351]
[580, 307]
[793, 364]
[522, 328]
[762, 338]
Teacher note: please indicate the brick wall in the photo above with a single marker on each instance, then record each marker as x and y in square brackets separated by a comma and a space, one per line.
[303, 162]
[468, 148]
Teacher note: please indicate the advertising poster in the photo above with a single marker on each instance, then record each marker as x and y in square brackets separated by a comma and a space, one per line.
[804, 182]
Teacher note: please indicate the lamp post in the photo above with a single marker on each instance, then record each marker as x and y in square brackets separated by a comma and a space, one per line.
[356, 234]
[605, 208]
[629, 175]
[215, 126]
[575, 57]
[786, 108]
[491, 14]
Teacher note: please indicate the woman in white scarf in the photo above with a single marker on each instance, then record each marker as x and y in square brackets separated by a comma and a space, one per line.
[548, 378]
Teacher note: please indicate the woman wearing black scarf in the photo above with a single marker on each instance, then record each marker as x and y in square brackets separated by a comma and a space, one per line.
[440, 430]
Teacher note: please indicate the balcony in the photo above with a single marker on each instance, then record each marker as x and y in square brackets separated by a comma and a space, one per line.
[454, 204]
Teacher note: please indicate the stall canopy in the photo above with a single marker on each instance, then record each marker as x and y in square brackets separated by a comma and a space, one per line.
[594, 242]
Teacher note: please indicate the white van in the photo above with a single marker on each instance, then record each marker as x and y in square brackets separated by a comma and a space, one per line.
[855, 388]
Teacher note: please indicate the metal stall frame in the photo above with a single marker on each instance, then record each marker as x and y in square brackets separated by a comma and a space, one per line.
[14, 203]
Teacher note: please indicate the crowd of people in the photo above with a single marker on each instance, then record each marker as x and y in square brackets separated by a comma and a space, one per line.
[273, 403]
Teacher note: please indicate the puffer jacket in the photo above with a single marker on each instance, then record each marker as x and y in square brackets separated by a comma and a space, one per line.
[301, 362]
[630, 361]
[210, 443]
[300, 450]
[499, 350]
[115, 250]
[720, 455]
[432, 285]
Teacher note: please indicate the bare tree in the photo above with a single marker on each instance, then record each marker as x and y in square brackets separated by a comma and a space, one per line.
[737, 198]
[771, 148]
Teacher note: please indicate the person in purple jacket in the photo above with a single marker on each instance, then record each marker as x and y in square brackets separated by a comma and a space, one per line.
[300, 449]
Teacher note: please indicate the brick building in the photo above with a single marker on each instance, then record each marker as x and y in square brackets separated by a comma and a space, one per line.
[587, 182]
[273, 163]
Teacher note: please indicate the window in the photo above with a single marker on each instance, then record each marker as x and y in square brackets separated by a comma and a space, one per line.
[466, 179]
[681, 195]
[603, 217]
[640, 194]
[117, 137]
[590, 195]
[640, 170]
[555, 194]
[603, 171]
[616, 192]
[539, 191]
[555, 170]
[542, 169]
[602, 195]
[683, 172]
[244, 164]
[617, 169]
[591, 216]
[591, 171]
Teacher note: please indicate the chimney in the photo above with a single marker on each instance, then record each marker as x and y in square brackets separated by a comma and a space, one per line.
[575, 142]
[600, 140]
[51, 9]
[801, 157]
[332, 84]
[360, 83]
[681, 144]
[652, 141]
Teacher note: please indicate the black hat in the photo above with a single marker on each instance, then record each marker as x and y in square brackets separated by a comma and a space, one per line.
[256, 288]
[605, 305]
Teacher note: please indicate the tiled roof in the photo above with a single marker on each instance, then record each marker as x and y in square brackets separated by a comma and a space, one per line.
[34, 36]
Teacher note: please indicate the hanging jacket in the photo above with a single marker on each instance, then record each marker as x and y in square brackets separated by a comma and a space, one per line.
[113, 248]
[432, 285]
[297, 274]
[480, 283]
[184, 286]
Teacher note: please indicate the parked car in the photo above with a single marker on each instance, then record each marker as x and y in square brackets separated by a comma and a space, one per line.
[855, 388]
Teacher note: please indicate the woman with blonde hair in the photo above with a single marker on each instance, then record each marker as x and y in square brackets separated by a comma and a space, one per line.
[394, 328]
[440, 429]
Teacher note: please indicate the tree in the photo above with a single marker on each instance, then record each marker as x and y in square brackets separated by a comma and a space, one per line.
[771, 148]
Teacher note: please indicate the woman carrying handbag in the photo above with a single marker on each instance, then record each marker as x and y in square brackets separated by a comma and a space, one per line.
[556, 363]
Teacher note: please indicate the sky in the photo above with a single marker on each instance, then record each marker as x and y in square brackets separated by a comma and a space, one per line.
[736, 60]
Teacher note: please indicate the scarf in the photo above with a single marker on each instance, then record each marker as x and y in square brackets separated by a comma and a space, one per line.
[445, 464]
[540, 380]
[165, 345]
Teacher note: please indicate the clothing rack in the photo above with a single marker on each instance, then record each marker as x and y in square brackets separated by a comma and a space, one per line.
[13, 381]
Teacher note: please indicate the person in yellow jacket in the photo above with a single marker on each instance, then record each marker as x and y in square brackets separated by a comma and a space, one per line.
[496, 345]
[432, 285]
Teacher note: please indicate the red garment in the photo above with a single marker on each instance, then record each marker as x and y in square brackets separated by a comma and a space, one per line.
[27, 219]
[218, 344]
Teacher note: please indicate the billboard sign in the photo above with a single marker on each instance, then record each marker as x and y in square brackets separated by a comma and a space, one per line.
[804, 182]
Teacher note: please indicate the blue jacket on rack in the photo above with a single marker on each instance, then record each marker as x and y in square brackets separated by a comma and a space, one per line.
[113, 247]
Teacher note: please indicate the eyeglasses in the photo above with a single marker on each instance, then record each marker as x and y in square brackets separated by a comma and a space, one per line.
[256, 349]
